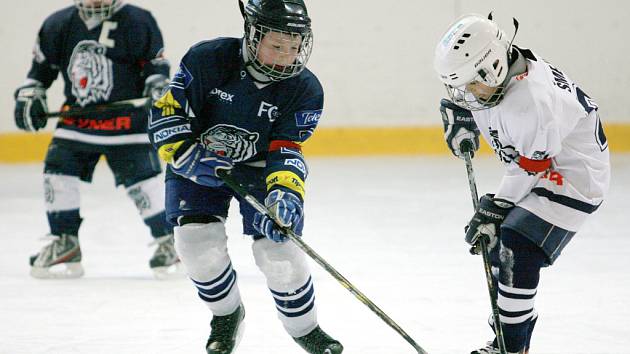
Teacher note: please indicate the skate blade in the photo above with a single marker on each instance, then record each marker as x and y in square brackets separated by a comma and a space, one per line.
[58, 271]
[239, 335]
[174, 271]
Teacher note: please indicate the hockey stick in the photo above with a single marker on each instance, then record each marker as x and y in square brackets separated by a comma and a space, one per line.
[78, 111]
[229, 180]
[466, 148]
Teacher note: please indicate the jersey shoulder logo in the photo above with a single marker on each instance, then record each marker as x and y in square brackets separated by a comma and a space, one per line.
[182, 78]
[237, 143]
[90, 72]
[168, 104]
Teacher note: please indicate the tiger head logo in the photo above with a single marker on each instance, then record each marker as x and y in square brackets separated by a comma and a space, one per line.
[237, 143]
[90, 72]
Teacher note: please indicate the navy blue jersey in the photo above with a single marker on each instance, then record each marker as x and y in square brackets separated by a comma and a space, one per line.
[212, 99]
[107, 63]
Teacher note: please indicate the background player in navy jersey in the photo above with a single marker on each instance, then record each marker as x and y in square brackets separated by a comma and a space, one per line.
[547, 133]
[245, 104]
[106, 51]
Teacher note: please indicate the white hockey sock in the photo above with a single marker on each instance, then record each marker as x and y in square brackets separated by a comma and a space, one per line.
[202, 249]
[290, 283]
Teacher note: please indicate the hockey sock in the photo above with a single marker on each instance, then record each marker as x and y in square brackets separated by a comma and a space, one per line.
[65, 222]
[519, 273]
[202, 248]
[290, 283]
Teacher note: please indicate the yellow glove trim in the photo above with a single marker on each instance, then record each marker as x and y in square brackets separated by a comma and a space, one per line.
[286, 179]
[167, 151]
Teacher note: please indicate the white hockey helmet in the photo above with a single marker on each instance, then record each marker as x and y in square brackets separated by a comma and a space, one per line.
[100, 10]
[473, 49]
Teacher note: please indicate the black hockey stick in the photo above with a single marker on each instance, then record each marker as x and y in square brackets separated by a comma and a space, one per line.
[229, 180]
[81, 111]
[466, 148]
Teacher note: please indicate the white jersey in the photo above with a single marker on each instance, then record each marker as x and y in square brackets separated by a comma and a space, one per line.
[545, 115]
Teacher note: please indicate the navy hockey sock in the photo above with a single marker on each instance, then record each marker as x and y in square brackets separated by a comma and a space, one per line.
[65, 222]
[519, 273]
[158, 225]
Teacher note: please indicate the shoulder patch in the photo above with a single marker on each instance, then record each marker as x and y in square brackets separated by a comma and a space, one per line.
[308, 118]
[182, 78]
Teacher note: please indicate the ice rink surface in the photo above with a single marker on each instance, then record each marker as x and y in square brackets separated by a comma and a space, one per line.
[392, 226]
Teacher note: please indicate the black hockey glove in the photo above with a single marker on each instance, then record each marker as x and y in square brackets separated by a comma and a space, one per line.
[459, 128]
[486, 222]
[30, 107]
[154, 86]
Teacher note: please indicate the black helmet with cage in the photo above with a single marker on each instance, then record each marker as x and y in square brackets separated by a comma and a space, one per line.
[289, 17]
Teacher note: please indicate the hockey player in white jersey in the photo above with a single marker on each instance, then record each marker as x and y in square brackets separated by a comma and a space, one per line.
[547, 133]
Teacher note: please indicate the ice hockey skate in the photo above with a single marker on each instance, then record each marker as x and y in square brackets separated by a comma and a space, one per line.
[226, 332]
[165, 263]
[491, 349]
[59, 259]
[318, 342]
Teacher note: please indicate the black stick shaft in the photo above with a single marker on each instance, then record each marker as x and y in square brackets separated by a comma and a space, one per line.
[80, 111]
[485, 255]
[229, 180]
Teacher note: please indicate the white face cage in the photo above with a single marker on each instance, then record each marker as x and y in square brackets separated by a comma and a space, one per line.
[97, 10]
[279, 71]
[465, 98]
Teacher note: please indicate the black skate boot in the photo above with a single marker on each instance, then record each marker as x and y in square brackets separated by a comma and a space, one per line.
[59, 259]
[225, 332]
[318, 342]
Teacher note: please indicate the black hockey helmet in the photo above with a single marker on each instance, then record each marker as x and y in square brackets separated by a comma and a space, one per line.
[289, 17]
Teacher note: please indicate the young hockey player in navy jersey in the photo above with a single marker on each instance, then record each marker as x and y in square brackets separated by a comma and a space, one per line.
[245, 105]
[547, 133]
[106, 51]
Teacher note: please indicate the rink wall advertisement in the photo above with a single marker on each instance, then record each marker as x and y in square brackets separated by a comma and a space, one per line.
[376, 65]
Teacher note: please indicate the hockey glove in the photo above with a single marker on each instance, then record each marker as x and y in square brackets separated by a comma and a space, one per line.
[154, 86]
[486, 222]
[459, 128]
[201, 165]
[287, 210]
[31, 107]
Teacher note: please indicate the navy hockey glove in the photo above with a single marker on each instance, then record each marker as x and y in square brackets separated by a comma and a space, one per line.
[487, 221]
[288, 211]
[201, 165]
[31, 107]
[459, 127]
[154, 86]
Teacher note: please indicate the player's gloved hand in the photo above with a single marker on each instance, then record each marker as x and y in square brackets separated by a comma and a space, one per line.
[31, 107]
[486, 222]
[459, 127]
[201, 165]
[288, 211]
[154, 85]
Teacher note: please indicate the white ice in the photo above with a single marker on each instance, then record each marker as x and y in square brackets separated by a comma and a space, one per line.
[392, 226]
